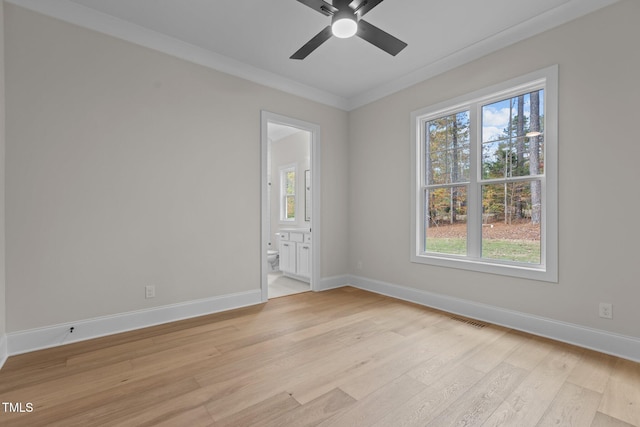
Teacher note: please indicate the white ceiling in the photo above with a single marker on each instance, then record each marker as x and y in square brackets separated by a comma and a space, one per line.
[255, 38]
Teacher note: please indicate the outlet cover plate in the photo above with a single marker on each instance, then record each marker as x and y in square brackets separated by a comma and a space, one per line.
[149, 291]
[606, 310]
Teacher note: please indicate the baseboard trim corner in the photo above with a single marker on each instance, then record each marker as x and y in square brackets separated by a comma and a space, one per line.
[595, 339]
[56, 335]
[333, 282]
[4, 352]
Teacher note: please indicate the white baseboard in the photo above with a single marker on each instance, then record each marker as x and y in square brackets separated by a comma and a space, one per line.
[332, 282]
[594, 339]
[52, 336]
[4, 353]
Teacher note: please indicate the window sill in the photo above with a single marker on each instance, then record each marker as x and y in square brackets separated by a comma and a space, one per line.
[540, 273]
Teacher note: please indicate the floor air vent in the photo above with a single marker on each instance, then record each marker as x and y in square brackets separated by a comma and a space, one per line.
[470, 322]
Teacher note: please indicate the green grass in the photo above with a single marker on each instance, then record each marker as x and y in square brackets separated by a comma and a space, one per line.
[447, 245]
[526, 251]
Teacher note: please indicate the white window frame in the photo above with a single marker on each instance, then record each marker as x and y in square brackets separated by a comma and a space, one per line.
[283, 193]
[547, 270]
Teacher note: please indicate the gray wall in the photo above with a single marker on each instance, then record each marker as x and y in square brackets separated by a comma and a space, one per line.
[2, 180]
[599, 150]
[127, 167]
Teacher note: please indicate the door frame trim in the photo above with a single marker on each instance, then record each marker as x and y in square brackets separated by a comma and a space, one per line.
[267, 117]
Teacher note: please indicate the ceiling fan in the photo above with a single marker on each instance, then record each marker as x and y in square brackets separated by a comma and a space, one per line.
[346, 21]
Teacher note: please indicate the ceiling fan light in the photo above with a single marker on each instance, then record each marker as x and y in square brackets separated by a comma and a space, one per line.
[344, 27]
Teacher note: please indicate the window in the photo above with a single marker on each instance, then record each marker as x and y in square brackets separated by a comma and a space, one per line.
[288, 193]
[485, 171]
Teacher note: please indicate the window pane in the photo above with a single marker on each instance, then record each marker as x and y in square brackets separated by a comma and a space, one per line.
[446, 220]
[291, 182]
[511, 221]
[291, 207]
[288, 194]
[513, 137]
[447, 149]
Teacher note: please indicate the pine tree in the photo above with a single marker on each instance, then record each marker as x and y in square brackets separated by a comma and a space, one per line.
[534, 158]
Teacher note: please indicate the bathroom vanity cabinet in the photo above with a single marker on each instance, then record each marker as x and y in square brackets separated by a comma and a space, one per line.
[295, 254]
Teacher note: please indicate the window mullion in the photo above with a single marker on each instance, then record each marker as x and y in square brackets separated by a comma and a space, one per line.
[474, 218]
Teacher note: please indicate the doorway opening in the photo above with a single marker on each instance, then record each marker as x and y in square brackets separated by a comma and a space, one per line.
[290, 244]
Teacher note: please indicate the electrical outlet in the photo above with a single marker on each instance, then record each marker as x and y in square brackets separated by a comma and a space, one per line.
[359, 265]
[150, 291]
[606, 310]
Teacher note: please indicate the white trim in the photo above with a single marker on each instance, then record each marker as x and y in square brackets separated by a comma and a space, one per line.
[56, 335]
[605, 342]
[595, 339]
[77, 14]
[267, 117]
[546, 78]
[333, 282]
[4, 352]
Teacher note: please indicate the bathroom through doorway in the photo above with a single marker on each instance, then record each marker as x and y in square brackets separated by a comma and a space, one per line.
[290, 185]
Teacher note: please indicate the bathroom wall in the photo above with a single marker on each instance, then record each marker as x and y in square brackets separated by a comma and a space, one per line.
[295, 150]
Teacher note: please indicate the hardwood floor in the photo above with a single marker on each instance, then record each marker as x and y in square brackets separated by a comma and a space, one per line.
[338, 358]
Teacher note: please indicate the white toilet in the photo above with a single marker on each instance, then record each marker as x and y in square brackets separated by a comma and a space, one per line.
[272, 258]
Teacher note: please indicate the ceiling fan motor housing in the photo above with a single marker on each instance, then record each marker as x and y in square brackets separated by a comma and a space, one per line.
[344, 23]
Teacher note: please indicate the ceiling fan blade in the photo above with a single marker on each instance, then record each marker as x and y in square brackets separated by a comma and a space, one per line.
[379, 38]
[320, 6]
[313, 44]
[361, 7]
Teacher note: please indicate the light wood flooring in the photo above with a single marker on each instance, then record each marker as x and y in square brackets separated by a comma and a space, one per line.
[338, 358]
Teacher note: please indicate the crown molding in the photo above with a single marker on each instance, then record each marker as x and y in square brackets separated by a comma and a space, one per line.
[572, 9]
[74, 13]
[85, 17]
